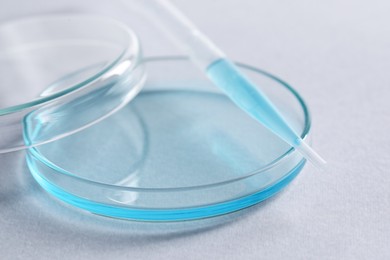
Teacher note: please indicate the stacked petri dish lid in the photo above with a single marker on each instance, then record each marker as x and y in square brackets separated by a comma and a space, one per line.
[57, 68]
[177, 150]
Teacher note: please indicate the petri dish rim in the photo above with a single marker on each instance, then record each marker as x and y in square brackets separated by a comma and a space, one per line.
[307, 125]
[132, 45]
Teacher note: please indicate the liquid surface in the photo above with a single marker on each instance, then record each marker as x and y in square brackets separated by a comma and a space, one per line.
[166, 139]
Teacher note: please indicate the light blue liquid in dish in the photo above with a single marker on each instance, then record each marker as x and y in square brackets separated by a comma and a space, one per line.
[180, 150]
[245, 95]
[164, 140]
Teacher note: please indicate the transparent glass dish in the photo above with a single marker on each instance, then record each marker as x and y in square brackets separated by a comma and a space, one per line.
[60, 74]
[180, 150]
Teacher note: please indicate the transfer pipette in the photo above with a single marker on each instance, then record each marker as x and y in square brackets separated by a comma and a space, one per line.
[224, 74]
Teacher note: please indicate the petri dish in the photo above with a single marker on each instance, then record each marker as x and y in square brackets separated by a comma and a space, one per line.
[180, 150]
[62, 73]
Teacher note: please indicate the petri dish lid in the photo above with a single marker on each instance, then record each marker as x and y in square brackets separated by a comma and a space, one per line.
[61, 74]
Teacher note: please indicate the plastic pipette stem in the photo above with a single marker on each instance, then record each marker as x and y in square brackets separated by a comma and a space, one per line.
[224, 74]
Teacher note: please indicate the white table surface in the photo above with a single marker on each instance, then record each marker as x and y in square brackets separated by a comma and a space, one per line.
[337, 55]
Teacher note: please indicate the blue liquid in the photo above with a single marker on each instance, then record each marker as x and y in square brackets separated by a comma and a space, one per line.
[250, 98]
[158, 214]
[165, 139]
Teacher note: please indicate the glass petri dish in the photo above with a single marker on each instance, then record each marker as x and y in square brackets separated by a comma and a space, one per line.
[180, 150]
[59, 74]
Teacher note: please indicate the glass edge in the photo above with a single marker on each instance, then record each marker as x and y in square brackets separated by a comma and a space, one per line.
[132, 37]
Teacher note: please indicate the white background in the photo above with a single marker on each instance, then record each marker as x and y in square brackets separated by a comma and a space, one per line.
[337, 55]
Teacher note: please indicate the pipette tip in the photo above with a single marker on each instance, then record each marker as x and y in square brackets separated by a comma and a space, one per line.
[311, 155]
